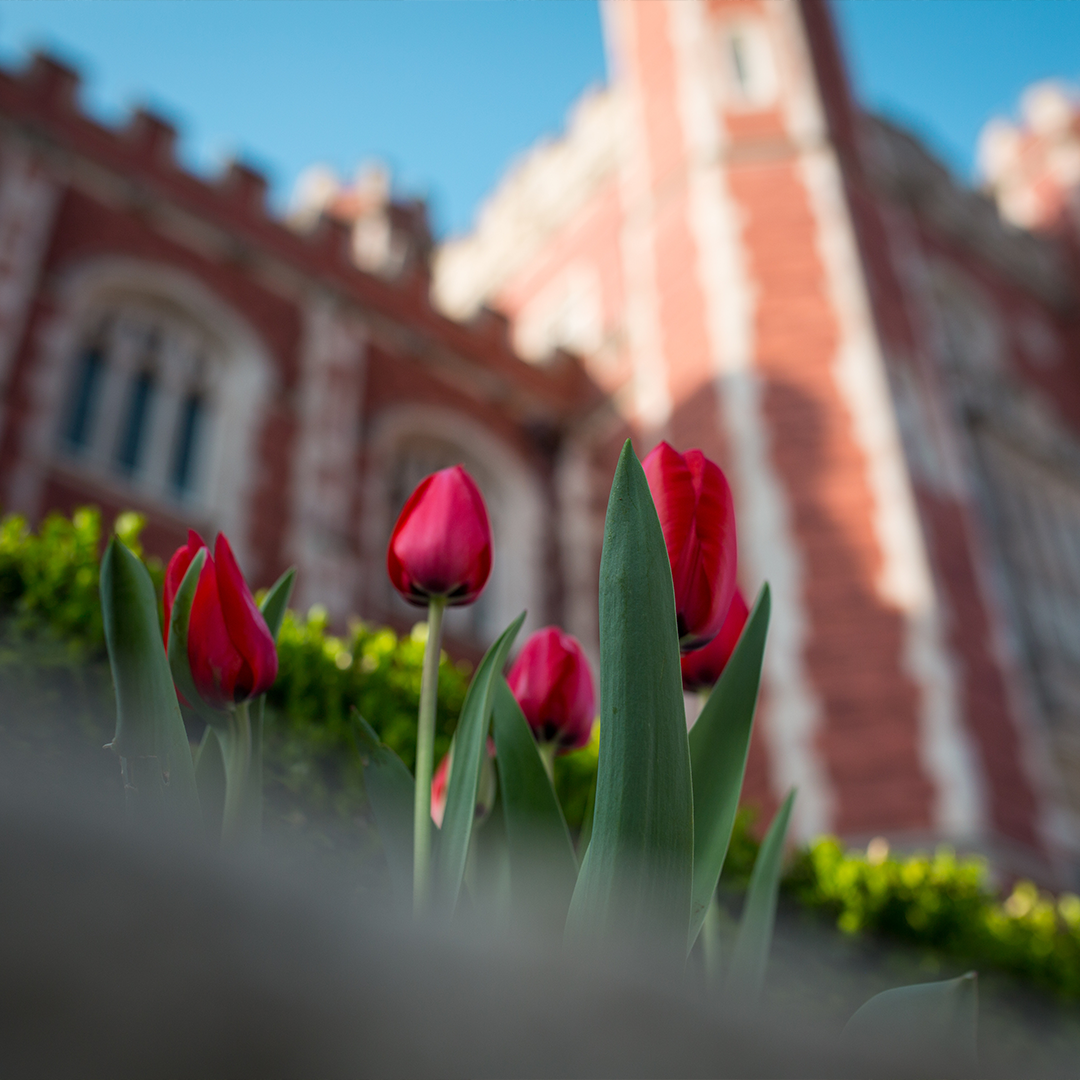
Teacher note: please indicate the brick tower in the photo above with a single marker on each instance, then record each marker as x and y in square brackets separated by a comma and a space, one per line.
[734, 249]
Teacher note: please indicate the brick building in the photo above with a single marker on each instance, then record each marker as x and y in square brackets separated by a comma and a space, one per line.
[885, 364]
[167, 345]
[887, 369]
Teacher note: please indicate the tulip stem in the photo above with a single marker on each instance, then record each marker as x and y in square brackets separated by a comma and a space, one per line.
[425, 753]
[237, 766]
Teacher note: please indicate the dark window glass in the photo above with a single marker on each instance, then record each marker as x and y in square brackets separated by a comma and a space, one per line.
[84, 399]
[191, 421]
[134, 429]
[739, 62]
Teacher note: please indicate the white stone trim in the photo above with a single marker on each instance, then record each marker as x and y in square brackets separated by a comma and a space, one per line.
[243, 388]
[333, 358]
[767, 544]
[637, 241]
[905, 582]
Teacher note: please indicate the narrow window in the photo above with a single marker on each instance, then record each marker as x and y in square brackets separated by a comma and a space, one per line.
[740, 63]
[192, 413]
[134, 428]
[84, 400]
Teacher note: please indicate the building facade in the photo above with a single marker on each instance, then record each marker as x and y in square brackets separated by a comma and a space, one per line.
[884, 362]
[888, 372]
[168, 346]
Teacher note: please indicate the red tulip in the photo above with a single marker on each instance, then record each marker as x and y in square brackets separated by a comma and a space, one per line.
[441, 544]
[553, 684]
[439, 784]
[697, 515]
[231, 652]
[702, 667]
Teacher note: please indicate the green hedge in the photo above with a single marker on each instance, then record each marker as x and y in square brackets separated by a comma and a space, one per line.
[52, 653]
[946, 904]
[50, 615]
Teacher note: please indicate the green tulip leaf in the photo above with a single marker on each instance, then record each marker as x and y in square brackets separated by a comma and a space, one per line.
[719, 745]
[637, 874]
[488, 869]
[543, 868]
[150, 736]
[929, 1029]
[273, 607]
[276, 600]
[179, 621]
[390, 787]
[210, 780]
[750, 954]
[470, 744]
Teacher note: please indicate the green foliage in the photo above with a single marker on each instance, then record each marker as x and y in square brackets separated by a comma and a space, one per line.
[637, 874]
[53, 664]
[944, 903]
[542, 862]
[311, 749]
[746, 975]
[470, 743]
[927, 1029]
[49, 580]
[150, 738]
[719, 746]
[575, 779]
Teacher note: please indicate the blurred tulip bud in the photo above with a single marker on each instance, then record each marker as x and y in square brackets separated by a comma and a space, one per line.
[230, 650]
[553, 684]
[485, 794]
[441, 544]
[702, 667]
[697, 515]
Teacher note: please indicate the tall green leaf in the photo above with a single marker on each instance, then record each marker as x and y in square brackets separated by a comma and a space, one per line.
[150, 737]
[210, 780]
[179, 663]
[637, 874]
[930, 1029]
[543, 868]
[750, 955]
[276, 601]
[469, 745]
[273, 607]
[719, 745]
[389, 786]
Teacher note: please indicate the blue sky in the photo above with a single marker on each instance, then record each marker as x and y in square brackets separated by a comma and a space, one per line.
[449, 93]
[944, 67]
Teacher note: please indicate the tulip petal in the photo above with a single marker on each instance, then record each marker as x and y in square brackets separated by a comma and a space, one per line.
[697, 516]
[441, 544]
[552, 682]
[245, 625]
[216, 665]
[702, 667]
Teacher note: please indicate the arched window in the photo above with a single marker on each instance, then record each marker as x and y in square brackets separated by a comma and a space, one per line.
[140, 400]
[408, 442]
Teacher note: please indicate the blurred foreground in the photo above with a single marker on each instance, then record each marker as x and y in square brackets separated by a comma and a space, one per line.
[129, 954]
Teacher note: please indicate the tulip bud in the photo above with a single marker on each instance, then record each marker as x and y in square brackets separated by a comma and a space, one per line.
[702, 667]
[553, 684]
[230, 649]
[441, 544]
[697, 515]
